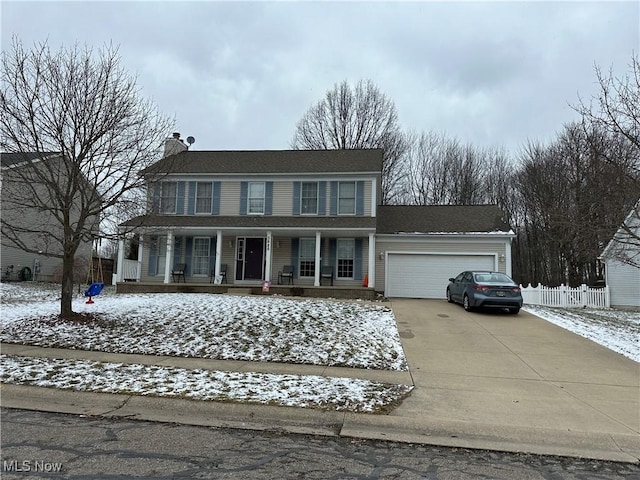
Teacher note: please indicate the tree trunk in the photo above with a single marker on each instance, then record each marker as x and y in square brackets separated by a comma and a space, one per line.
[66, 308]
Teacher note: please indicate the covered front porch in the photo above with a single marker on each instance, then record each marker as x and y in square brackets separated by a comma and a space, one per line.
[363, 293]
[235, 258]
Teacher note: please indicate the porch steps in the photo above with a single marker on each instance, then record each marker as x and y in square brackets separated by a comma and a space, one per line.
[239, 291]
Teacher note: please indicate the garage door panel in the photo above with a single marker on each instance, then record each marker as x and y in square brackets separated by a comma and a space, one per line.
[427, 275]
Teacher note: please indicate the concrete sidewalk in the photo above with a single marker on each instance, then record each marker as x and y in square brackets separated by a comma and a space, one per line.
[488, 381]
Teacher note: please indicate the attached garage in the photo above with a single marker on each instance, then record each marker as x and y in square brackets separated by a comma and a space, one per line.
[418, 248]
[426, 275]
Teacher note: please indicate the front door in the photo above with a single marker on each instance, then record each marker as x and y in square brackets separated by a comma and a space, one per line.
[250, 259]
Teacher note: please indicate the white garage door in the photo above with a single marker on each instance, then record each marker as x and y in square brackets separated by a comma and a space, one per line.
[427, 276]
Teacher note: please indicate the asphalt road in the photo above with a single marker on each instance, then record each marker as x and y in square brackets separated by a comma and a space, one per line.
[57, 446]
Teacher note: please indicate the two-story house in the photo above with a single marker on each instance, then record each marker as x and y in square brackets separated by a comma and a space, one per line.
[252, 215]
[32, 230]
[257, 212]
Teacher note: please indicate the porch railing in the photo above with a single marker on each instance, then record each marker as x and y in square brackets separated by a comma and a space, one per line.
[129, 270]
[566, 297]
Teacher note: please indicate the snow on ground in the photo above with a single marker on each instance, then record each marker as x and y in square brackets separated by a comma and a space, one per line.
[618, 330]
[267, 329]
[224, 327]
[309, 391]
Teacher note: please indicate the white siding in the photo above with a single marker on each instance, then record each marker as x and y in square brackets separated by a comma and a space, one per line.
[624, 284]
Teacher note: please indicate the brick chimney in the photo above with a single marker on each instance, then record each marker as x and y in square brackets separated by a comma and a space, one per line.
[174, 145]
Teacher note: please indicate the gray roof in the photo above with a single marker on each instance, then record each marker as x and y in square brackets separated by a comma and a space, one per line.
[623, 244]
[250, 221]
[390, 219]
[9, 159]
[440, 219]
[270, 162]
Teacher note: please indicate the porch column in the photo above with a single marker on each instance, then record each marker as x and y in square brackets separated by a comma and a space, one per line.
[316, 279]
[269, 254]
[218, 254]
[168, 265]
[140, 256]
[372, 260]
[120, 274]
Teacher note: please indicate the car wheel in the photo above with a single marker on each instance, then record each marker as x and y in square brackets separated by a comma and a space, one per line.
[465, 303]
[449, 299]
[514, 310]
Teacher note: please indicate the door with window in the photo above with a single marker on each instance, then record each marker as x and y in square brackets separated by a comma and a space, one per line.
[250, 258]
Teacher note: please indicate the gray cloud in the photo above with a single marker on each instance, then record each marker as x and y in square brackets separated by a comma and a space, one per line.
[238, 75]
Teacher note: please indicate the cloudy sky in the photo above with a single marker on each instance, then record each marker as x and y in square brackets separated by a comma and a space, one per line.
[239, 75]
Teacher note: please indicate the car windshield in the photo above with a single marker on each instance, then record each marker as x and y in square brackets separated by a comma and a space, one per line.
[492, 278]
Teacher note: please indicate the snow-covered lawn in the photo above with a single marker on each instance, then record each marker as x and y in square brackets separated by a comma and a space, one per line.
[618, 330]
[267, 329]
[312, 391]
[224, 327]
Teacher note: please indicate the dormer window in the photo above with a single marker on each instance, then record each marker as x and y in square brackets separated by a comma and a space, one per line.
[168, 197]
[255, 198]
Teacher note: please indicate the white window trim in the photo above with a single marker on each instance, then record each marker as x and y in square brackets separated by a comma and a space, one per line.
[249, 197]
[317, 199]
[355, 198]
[195, 207]
[310, 239]
[175, 204]
[353, 258]
[193, 256]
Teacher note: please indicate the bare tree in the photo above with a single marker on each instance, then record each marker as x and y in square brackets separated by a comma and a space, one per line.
[83, 132]
[441, 171]
[615, 110]
[570, 201]
[429, 172]
[352, 118]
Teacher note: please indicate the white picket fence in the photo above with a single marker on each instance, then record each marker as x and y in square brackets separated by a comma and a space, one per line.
[566, 297]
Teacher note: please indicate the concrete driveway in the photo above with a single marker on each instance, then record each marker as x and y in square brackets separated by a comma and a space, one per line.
[514, 382]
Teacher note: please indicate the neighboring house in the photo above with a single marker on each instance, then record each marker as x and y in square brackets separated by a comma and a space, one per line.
[34, 226]
[621, 258]
[258, 212]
